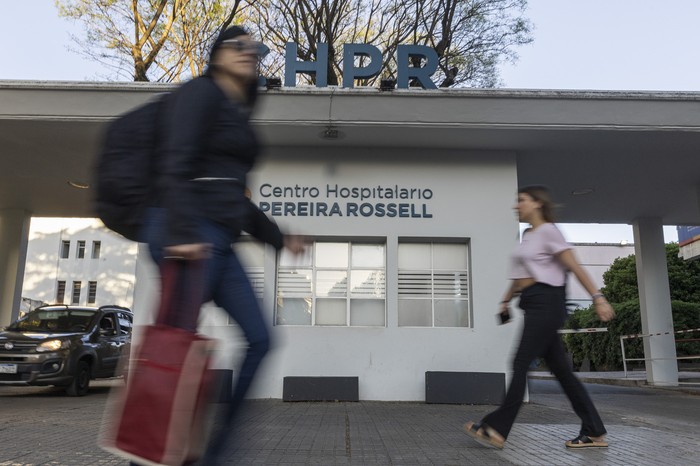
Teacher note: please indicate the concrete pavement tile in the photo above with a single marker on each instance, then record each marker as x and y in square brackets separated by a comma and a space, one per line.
[46, 429]
[532, 444]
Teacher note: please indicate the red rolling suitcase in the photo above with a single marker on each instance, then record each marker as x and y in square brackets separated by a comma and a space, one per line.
[160, 417]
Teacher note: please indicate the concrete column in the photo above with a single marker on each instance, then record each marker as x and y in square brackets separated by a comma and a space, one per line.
[14, 236]
[655, 302]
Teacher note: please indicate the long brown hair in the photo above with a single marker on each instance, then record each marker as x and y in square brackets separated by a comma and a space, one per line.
[541, 195]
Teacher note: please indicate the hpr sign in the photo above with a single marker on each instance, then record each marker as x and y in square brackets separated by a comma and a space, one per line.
[404, 72]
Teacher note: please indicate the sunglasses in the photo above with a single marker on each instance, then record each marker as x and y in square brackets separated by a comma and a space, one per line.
[246, 46]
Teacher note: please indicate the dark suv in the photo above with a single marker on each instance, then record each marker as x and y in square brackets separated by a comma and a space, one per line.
[65, 346]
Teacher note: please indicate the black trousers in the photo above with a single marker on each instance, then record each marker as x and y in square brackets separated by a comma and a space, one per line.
[545, 313]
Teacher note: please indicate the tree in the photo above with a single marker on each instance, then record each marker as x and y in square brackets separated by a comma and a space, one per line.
[603, 350]
[167, 40]
[683, 276]
[471, 37]
[150, 40]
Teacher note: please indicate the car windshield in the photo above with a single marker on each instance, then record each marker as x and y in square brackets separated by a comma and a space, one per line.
[54, 321]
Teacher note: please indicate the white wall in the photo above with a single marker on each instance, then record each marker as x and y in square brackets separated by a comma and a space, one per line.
[113, 271]
[472, 198]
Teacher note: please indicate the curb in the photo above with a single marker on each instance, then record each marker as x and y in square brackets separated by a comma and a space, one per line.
[639, 383]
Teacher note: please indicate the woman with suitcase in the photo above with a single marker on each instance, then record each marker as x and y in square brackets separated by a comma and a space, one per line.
[208, 149]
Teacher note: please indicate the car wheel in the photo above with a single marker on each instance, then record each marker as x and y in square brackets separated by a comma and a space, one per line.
[81, 382]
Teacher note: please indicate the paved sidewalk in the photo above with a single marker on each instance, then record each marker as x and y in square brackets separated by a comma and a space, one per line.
[40, 426]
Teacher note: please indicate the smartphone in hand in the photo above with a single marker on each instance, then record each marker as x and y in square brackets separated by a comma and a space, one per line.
[503, 317]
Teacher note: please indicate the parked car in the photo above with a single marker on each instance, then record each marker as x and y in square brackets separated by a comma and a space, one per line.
[65, 346]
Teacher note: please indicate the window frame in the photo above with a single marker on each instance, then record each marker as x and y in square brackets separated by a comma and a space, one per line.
[60, 291]
[80, 249]
[123, 317]
[76, 292]
[96, 247]
[349, 296]
[92, 292]
[434, 298]
[64, 250]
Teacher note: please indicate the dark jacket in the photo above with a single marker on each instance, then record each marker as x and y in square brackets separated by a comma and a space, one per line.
[208, 136]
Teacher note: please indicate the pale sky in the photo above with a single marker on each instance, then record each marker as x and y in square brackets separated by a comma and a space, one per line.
[579, 44]
[610, 45]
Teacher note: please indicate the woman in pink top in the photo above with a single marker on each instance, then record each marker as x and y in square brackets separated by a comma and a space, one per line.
[538, 274]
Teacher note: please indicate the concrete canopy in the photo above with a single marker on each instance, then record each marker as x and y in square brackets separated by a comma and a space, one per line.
[637, 151]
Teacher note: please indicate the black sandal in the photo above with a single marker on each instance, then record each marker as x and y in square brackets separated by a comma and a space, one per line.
[478, 432]
[584, 441]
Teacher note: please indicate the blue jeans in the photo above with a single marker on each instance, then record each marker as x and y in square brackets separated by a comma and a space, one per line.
[227, 284]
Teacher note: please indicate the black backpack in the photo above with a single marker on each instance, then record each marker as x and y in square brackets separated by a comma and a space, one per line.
[125, 171]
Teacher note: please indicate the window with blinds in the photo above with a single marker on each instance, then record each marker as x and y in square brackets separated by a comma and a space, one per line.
[60, 291]
[92, 292]
[433, 284]
[334, 284]
[75, 297]
[80, 250]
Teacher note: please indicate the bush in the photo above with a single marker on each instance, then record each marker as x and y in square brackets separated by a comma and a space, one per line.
[603, 349]
[683, 278]
[686, 316]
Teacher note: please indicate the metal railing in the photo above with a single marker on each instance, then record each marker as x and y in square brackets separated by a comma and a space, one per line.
[583, 330]
[648, 335]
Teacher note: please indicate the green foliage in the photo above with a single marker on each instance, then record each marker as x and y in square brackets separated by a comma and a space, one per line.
[603, 349]
[683, 277]
[168, 40]
[621, 280]
[686, 316]
[149, 40]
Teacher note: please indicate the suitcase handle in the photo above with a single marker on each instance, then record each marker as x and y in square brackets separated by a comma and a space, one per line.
[182, 293]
